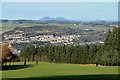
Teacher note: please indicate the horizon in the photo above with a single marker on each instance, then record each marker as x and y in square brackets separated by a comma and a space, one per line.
[39, 19]
[77, 11]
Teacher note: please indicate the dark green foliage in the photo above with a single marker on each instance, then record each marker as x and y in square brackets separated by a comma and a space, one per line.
[111, 47]
[99, 54]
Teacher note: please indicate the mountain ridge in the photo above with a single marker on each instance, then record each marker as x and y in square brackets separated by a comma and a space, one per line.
[53, 19]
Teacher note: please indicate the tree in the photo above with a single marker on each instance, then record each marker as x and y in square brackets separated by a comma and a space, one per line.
[24, 53]
[6, 54]
[111, 46]
[37, 51]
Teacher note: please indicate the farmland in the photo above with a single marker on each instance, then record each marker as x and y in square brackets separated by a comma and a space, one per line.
[11, 24]
[55, 71]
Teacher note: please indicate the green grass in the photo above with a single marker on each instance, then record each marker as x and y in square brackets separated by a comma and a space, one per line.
[46, 69]
[9, 26]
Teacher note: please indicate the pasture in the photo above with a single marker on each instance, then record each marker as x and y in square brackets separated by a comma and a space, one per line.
[58, 71]
[7, 26]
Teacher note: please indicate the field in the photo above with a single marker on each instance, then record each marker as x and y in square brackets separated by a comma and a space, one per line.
[7, 26]
[57, 71]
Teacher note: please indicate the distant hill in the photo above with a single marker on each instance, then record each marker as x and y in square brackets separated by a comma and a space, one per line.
[53, 19]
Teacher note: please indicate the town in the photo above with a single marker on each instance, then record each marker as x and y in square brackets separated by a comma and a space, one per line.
[54, 33]
[18, 38]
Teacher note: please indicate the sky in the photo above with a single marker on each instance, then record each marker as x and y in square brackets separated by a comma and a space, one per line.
[60, 0]
[70, 10]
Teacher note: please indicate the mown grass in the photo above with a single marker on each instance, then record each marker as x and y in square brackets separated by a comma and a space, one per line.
[55, 71]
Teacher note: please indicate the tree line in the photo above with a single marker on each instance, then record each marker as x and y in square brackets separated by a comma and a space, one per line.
[100, 54]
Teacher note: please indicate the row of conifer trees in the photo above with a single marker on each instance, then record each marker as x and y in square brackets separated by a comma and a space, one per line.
[100, 54]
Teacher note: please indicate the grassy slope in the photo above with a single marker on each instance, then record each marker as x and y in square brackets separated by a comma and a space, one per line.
[46, 69]
[9, 26]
